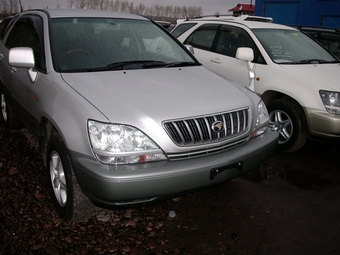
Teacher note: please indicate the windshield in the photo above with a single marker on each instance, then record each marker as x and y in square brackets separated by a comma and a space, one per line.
[292, 47]
[99, 44]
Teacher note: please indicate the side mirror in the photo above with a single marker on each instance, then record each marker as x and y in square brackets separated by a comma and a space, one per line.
[23, 57]
[247, 54]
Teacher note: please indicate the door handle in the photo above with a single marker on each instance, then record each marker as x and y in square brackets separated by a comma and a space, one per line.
[216, 60]
[13, 69]
[1, 56]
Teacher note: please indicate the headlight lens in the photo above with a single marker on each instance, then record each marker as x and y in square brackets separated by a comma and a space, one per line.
[122, 144]
[262, 119]
[331, 101]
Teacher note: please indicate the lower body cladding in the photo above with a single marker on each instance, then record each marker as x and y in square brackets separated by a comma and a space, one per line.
[127, 185]
[323, 124]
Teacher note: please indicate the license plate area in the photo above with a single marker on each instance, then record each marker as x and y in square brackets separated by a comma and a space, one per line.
[216, 170]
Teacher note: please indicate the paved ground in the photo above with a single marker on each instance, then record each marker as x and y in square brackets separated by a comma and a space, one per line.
[291, 207]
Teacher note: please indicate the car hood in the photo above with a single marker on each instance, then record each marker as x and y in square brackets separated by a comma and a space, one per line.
[154, 95]
[327, 75]
[146, 98]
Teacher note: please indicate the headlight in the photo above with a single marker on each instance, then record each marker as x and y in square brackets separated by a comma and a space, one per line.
[122, 144]
[331, 101]
[262, 119]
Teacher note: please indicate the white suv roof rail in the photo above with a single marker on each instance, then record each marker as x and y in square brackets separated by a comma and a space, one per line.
[232, 17]
[258, 18]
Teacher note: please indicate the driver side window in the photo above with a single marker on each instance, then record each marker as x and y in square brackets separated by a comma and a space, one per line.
[27, 32]
[231, 38]
[203, 38]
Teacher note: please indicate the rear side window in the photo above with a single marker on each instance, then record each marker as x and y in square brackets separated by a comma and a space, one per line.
[182, 28]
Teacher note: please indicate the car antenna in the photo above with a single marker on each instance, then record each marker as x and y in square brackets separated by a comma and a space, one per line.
[20, 6]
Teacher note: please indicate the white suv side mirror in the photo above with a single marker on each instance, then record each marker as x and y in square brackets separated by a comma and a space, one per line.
[247, 54]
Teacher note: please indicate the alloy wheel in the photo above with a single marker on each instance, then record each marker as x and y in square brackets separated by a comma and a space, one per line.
[280, 122]
[58, 178]
[3, 107]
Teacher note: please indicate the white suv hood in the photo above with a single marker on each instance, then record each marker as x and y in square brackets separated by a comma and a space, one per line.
[326, 75]
[133, 96]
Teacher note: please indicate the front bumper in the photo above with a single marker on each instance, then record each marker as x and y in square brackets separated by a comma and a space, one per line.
[142, 183]
[323, 124]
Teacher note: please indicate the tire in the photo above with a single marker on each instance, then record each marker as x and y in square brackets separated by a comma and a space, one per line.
[70, 202]
[8, 116]
[287, 118]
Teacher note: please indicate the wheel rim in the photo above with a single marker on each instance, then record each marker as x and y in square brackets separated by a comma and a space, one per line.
[3, 107]
[58, 179]
[280, 122]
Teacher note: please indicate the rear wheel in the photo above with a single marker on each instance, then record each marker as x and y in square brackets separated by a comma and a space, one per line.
[287, 118]
[70, 202]
[8, 116]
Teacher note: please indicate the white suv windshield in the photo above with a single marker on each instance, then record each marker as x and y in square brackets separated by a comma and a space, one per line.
[292, 47]
[99, 44]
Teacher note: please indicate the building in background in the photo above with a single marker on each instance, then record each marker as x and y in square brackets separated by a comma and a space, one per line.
[301, 12]
[243, 9]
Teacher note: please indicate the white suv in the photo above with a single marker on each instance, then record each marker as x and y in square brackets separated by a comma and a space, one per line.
[296, 77]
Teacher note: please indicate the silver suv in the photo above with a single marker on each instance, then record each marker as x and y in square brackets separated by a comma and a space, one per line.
[124, 113]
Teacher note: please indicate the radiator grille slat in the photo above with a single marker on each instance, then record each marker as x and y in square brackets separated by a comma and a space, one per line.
[191, 131]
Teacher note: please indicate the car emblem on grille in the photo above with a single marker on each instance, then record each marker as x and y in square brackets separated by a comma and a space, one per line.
[217, 126]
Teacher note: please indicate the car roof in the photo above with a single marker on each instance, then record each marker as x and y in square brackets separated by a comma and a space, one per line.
[85, 13]
[249, 21]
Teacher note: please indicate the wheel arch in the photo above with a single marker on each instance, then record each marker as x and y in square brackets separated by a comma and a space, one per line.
[46, 129]
[271, 95]
[74, 206]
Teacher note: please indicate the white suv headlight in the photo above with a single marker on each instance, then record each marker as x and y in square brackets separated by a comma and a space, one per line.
[331, 101]
[262, 119]
[122, 144]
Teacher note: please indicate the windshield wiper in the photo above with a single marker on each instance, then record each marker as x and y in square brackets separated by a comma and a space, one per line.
[181, 64]
[149, 64]
[173, 64]
[144, 64]
[123, 65]
[313, 61]
[139, 64]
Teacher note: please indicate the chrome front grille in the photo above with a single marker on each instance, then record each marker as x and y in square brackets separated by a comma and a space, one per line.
[200, 130]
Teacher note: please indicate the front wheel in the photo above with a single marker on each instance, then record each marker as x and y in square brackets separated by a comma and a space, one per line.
[287, 118]
[70, 202]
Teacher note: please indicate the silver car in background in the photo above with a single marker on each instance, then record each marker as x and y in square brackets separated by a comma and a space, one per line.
[123, 112]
